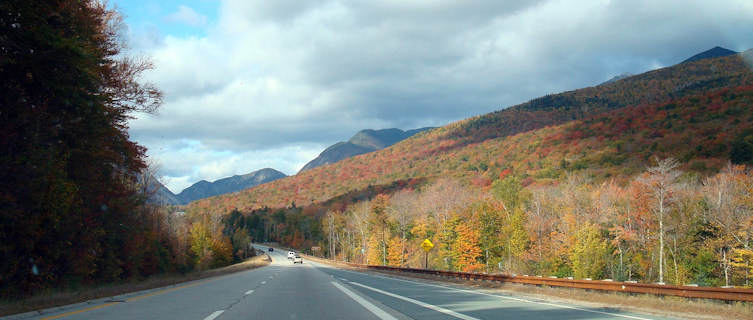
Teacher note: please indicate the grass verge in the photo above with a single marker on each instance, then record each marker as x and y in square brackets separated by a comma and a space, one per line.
[677, 307]
[54, 298]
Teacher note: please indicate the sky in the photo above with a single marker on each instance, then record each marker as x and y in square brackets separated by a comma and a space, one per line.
[252, 84]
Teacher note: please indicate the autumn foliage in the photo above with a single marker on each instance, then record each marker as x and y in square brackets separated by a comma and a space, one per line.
[572, 184]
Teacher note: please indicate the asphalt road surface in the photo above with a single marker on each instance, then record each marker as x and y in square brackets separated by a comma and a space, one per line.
[284, 290]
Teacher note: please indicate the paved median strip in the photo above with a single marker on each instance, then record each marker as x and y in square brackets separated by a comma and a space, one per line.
[381, 314]
[420, 303]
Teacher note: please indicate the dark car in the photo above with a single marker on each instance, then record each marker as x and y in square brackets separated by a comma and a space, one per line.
[271, 249]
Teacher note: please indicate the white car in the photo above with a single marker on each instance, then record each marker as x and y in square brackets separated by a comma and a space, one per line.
[297, 259]
[291, 254]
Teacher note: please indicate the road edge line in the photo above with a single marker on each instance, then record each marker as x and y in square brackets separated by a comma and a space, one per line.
[381, 314]
[515, 298]
[420, 303]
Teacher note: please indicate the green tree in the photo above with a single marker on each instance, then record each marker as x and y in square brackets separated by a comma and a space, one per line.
[588, 257]
[509, 191]
[515, 237]
[201, 245]
[378, 224]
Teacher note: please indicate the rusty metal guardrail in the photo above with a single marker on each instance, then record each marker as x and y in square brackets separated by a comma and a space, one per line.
[728, 294]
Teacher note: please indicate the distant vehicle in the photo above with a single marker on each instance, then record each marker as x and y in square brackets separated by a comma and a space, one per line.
[297, 259]
[271, 249]
[291, 254]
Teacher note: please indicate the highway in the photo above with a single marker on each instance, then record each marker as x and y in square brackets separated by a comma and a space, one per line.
[283, 290]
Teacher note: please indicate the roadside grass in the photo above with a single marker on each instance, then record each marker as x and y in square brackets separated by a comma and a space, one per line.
[669, 306]
[53, 298]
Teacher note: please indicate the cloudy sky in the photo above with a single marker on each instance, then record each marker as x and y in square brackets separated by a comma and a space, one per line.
[250, 84]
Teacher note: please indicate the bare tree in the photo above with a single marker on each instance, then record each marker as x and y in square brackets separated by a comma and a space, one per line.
[359, 214]
[661, 181]
[439, 201]
[728, 195]
[402, 211]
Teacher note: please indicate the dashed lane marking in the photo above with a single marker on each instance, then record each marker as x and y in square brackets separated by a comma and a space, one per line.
[214, 315]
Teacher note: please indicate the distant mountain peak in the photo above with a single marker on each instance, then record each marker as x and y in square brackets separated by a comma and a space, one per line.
[618, 77]
[364, 141]
[205, 189]
[714, 52]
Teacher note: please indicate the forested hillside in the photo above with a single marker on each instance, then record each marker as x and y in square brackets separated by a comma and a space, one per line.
[478, 148]
[646, 178]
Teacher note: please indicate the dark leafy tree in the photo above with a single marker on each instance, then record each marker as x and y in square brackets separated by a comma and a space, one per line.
[67, 165]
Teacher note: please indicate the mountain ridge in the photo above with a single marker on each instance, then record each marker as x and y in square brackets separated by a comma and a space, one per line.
[364, 141]
[204, 189]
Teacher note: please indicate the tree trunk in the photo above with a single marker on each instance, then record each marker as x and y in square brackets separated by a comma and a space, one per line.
[661, 238]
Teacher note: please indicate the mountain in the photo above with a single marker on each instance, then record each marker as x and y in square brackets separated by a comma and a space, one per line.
[697, 112]
[204, 189]
[715, 52]
[364, 141]
[161, 194]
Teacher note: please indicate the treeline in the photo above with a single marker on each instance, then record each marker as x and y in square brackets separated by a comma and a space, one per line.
[292, 226]
[665, 225]
[73, 197]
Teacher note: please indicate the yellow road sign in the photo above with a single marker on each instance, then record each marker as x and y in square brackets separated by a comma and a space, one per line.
[427, 245]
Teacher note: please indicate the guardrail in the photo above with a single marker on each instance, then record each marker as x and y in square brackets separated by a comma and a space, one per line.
[728, 294]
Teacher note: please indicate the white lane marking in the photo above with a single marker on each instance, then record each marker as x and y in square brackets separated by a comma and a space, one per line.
[381, 314]
[343, 279]
[214, 315]
[249, 292]
[420, 303]
[512, 298]
[263, 282]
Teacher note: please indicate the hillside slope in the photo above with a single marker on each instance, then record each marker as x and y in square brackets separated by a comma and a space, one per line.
[611, 130]
[364, 141]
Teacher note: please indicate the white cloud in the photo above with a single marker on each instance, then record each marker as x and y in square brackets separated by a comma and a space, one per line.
[187, 16]
[274, 82]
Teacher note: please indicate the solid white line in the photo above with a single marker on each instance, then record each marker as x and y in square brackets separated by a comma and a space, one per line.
[214, 315]
[420, 303]
[512, 298]
[263, 282]
[381, 314]
[249, 292]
